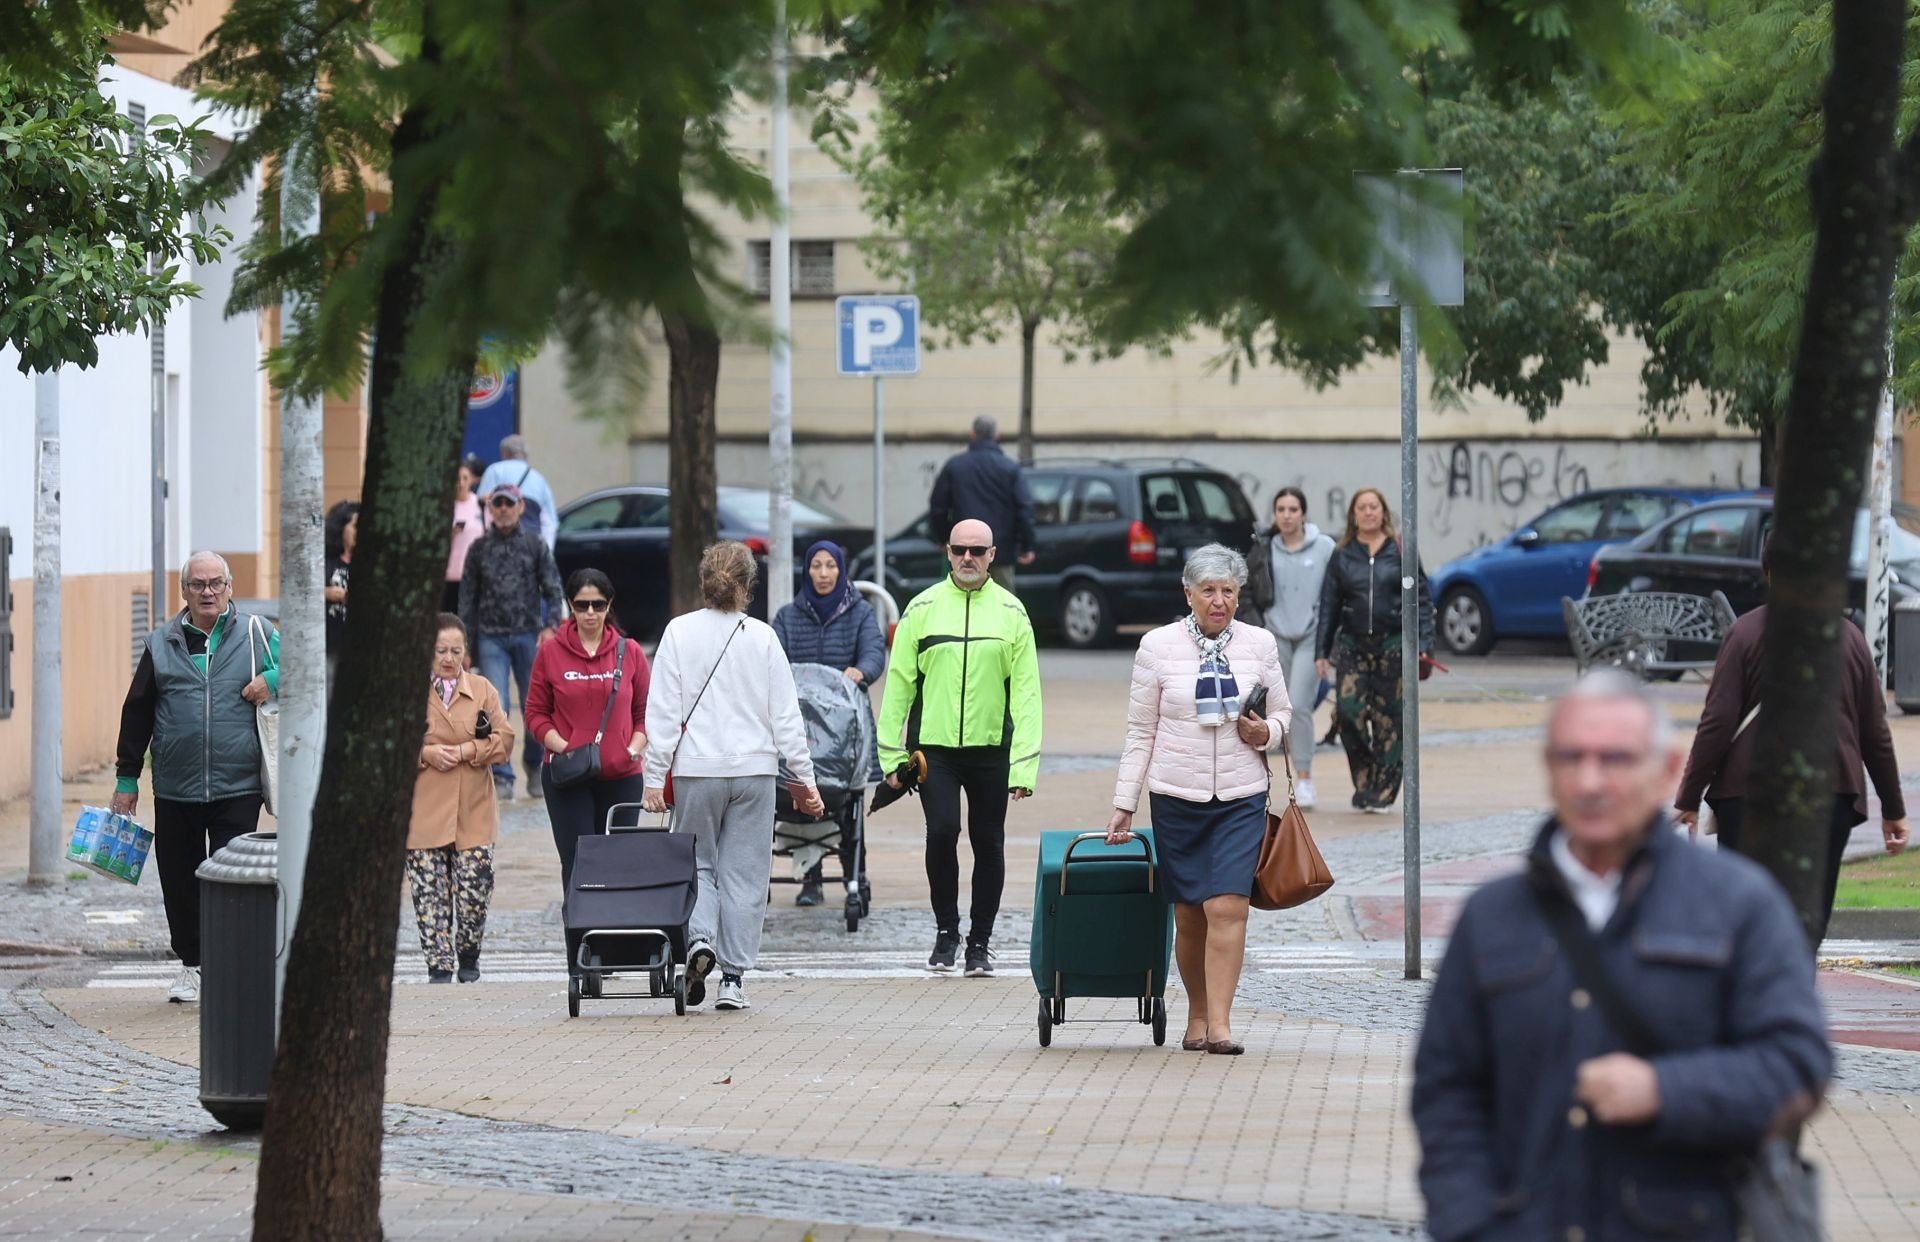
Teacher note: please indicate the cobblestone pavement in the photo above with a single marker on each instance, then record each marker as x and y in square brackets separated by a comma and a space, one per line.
[57, 1071]
[859, 1098]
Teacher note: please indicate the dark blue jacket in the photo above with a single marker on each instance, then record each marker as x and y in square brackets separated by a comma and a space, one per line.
[983, 483]
[1707, 950]
[849, 639]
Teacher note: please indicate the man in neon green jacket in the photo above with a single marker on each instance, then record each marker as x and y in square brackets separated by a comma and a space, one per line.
[963, 688]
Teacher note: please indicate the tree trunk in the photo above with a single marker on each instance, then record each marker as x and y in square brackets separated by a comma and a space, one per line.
[1823, 449]
[320, 1158]
[693, 387]
[1769, 453]
[1029, 329]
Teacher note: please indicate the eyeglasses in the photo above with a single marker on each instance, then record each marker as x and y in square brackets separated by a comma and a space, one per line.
[204, 586]
[503, 502]
[592, 605]
[976, 550]
[1609, 760]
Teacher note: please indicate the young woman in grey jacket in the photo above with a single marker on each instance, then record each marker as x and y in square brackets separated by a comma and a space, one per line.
[1284, 570]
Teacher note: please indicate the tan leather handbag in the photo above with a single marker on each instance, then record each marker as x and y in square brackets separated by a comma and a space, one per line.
[1290, 871]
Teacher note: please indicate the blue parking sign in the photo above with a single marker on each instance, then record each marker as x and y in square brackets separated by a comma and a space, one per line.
[879, 335]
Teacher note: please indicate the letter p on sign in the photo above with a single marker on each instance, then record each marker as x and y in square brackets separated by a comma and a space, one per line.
[879, 335]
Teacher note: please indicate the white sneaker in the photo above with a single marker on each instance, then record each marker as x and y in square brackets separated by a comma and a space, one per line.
[1380, 810]
[731, 996]
[1303, 793]
[186, 986]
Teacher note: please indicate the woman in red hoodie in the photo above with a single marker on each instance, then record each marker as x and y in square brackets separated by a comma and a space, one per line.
[566, 700]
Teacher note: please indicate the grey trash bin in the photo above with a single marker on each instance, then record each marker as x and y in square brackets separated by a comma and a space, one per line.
[1903, 649]
[239, 934]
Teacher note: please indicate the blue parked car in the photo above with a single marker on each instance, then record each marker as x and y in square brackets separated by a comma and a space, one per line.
[1512, 589]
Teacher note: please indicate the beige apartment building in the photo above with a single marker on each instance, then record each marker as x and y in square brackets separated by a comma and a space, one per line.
[1484, 469]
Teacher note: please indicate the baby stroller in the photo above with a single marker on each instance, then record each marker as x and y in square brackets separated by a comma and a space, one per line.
[840, 737]
[628, 903]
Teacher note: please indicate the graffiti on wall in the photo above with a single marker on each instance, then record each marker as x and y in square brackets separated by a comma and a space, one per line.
[1472, 492]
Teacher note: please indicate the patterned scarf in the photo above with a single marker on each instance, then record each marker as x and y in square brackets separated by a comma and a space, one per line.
[446, 686]
[1216, 696]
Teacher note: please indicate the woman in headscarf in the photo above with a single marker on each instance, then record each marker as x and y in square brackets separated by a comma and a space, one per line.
[829, 623]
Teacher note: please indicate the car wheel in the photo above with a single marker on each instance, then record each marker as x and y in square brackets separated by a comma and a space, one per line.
[1466, 627]
[1086, 619]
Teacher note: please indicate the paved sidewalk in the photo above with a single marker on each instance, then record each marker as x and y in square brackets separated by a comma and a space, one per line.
[861, 1098]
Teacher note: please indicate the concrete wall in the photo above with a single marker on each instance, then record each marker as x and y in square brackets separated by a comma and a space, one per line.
[1471, 491]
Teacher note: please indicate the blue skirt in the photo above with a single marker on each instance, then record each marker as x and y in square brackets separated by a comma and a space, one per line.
[1207, 849]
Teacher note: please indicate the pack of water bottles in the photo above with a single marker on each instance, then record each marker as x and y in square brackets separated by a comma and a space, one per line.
[110, 845]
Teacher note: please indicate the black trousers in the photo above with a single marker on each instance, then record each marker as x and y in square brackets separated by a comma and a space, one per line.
[1730, 815]
[581, 811]
[184, 833]
[981, 771]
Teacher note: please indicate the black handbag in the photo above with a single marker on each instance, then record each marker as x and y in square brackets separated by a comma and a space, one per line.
[582, 763]
[1776, 1191]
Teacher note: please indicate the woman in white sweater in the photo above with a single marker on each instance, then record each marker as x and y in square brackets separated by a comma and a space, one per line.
[721, 714]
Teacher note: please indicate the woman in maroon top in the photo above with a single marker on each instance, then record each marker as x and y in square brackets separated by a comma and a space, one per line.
[566, 697]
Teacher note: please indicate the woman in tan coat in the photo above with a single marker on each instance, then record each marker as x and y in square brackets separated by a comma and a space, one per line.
[456, 818]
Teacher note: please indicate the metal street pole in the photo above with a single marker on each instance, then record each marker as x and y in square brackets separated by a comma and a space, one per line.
[44, 840]
[1410, 628]
[1880, 515]
[157, 612]
[303, 625]
[780, 295]
[879, 485]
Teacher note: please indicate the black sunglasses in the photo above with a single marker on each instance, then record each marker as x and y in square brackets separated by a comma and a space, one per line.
[592, 605]
[976, 550]
[504, 502]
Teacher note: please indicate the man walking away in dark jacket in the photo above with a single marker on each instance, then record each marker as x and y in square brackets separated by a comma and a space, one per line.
[1615, 1098]
[192, 704]
[509, 573]
[983, 484]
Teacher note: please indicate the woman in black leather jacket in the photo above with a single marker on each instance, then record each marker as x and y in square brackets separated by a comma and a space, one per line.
[1360, 633]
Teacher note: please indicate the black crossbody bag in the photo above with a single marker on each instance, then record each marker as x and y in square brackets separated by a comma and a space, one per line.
[1775, 1191]
[582, 763]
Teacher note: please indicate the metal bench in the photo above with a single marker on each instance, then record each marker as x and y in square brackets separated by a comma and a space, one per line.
[1636, 630]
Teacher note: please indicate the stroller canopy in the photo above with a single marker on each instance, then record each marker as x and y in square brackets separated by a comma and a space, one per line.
[839, 729]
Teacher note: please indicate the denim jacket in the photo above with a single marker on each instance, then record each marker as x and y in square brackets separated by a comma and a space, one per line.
[1707, 950]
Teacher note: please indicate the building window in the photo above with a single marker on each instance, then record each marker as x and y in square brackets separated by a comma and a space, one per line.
[811, 274]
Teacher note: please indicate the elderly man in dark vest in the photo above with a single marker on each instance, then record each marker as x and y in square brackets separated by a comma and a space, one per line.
[192, 704]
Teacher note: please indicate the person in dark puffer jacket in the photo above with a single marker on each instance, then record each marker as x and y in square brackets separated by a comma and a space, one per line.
[828, 623]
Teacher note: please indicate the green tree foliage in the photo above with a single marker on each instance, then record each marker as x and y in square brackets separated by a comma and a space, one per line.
[563, 147]
[38, 40]
[1228, 137]
[1722, 168]
[1017, 248]
[93, 213]
[1549, 274]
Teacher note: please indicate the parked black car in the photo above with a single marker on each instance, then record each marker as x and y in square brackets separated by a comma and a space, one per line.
[1716, 547]
[1112, 539]
[622, 531]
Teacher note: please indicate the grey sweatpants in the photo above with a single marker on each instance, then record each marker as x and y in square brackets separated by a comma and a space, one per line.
[731, 819]
[1303, 687]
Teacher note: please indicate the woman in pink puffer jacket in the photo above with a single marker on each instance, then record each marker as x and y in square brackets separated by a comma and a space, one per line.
[1204, 766]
